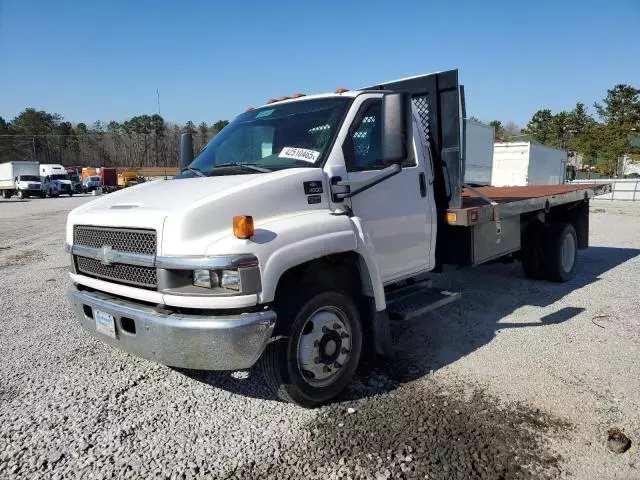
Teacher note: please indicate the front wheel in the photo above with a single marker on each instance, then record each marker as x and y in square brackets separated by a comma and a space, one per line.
[21, 194]
[320, 350]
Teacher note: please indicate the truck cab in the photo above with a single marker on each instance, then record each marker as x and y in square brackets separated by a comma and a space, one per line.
[28, 186]
[92, 182]
[57, 178]
[127, 178]
[298, 234]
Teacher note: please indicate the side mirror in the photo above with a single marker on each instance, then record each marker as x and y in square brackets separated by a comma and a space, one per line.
[396, 127]
[186, 150]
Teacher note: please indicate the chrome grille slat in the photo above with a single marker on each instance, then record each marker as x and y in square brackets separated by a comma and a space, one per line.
[129, 240]
[127, 274]
[122, 239]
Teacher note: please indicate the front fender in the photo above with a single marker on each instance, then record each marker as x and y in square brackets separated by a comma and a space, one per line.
[301, 239]
[285, 242]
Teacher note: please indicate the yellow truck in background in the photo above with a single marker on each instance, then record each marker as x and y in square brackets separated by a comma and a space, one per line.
[127, 178]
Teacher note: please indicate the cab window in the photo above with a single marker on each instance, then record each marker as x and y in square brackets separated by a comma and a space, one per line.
[363, 147]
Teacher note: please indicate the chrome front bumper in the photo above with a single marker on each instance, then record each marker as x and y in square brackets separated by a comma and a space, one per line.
[199, 342]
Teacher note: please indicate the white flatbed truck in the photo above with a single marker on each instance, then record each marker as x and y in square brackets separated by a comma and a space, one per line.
[294, 237]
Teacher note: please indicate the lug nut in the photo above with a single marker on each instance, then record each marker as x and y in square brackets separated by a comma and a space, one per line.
[336, 326]
[325, 330]
[344, 350]
[344, 335]
[326, 369]
[316, 343]
[337, 365]
[316, 360]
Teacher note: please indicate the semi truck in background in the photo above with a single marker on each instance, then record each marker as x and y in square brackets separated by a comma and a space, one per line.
[21, 178]
[55, 177]
[92, 182]
[109, 176]
[298, 246]
[74, 176]
[87, 172]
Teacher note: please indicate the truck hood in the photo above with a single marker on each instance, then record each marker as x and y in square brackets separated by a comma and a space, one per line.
[190, 213]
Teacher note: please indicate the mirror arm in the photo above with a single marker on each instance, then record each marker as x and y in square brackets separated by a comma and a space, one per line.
[347, 189]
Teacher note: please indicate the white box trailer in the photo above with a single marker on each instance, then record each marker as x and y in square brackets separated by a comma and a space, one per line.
[478, 152]
[20, 178]
[526, 163]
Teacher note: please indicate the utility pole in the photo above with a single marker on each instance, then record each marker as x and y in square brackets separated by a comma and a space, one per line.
[165, 157]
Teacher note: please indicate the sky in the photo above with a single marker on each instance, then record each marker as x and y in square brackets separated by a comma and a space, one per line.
[106, 59]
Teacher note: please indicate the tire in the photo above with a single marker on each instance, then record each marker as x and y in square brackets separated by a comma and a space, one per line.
[71, 194]
[560, 251]
[21, 194]
[532, 252]
[300, 318]
[43, 195]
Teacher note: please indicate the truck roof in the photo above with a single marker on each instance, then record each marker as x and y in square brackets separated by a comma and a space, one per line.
[347, 93]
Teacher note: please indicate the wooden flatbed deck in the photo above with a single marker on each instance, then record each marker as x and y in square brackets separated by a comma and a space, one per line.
[517, 200]
[514, 194]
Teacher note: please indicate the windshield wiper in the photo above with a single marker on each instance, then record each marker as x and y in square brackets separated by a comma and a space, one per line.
[194, 170]
[245, 166]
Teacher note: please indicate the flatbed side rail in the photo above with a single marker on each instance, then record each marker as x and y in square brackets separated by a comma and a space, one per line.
[487, 213]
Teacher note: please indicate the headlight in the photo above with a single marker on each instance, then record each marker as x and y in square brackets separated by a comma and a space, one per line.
[205, 278]
[230, 279]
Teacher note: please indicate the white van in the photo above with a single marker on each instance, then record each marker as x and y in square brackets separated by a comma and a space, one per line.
[55, 177]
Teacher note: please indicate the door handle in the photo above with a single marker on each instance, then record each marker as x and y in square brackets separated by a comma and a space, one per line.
[423, 184]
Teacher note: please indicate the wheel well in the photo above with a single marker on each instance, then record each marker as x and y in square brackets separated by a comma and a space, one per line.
[343, 272]
[340, 271]
[577, 214]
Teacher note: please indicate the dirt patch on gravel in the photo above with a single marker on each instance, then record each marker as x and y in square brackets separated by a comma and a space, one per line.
[420, 431]
[22, 258]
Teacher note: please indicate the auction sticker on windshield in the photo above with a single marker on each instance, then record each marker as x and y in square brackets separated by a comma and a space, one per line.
[299, 154]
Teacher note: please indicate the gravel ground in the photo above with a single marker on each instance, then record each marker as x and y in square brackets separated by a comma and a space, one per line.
[520, 379]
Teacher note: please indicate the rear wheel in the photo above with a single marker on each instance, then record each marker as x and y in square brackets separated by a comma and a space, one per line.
[318, 353]
[560, 250]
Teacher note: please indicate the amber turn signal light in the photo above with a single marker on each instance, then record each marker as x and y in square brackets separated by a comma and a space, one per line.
[452, 217]
[243, 226]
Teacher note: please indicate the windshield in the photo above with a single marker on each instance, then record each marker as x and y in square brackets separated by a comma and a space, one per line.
[279, 136]
[59, 177]
[29, 178]
[74, 177]
[95, 179]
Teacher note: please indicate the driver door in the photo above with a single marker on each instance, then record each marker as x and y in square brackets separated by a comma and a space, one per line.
[395, 212]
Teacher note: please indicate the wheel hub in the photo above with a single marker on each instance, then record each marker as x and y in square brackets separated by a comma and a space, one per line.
[324, 346]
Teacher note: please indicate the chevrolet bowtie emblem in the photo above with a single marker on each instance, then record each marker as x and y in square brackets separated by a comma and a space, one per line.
[106, 255]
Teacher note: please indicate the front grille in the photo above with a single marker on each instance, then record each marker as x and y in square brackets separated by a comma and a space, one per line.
[126, 274]
[121, 239]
